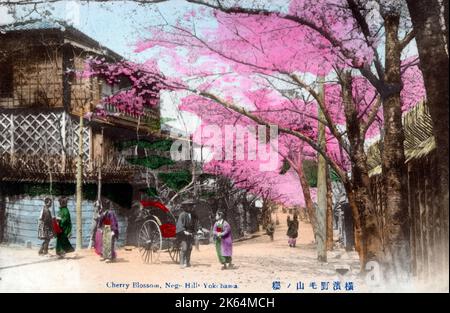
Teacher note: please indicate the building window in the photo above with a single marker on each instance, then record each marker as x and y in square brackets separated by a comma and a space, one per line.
[6, 80]
[106, 89]
[124, 83]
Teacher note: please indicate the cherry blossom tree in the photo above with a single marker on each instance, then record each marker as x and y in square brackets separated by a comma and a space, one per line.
[142, 84]
[254, 43]
[258, 49]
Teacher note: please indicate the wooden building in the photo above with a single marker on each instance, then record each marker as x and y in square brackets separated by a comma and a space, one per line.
[41, 105]
[428, 223]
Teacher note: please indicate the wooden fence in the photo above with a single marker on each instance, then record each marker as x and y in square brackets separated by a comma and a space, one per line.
[428, 221]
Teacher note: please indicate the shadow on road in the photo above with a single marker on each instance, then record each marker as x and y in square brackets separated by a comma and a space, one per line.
[51, 259]
[121, 260]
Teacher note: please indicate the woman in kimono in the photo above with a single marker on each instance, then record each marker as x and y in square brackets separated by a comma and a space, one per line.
[224, 241]
[270, 229]
[45, 226]
[96, 231]
[63, 245]
[292, 231]
[109, 228]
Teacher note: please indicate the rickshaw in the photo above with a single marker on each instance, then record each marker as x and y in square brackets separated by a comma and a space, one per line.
[157, 232]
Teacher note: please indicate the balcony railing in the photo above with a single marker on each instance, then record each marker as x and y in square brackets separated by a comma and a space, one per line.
[61, 168]
[149, 117]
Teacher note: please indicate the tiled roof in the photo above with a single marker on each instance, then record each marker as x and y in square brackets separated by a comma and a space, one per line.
[419, 139]
[62, 26]
[34, 24]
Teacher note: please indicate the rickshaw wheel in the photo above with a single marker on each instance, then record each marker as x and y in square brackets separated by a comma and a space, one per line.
[150, 241]
[174, 252]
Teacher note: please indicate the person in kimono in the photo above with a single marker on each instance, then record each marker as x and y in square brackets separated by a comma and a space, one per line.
[63, 245]
[270, 229]
[45, 226]
[109, 227]
[185, 229]
[292, 231]
[96, 232]
[224, 241]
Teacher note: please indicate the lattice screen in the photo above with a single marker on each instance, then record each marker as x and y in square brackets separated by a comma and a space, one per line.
[5, 133]
[41, 134]
[73, 138]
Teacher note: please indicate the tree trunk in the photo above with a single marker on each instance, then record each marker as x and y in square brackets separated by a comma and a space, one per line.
[432, 48]
[371, 234]
[359, 245]
[393, 159]
[307, 196]
[361, 196]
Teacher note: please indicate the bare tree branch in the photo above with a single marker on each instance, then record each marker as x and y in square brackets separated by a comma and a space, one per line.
[362, 23]
[331, 125]
[408, 38]
[371, 117]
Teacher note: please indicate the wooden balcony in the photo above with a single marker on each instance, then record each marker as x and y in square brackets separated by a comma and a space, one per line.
[148, 122]
[60, 168]
[34, 145]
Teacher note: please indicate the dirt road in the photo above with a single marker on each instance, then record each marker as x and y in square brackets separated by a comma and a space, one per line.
[262, 266]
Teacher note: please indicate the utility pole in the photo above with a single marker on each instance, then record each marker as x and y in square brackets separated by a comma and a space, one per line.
[79, 188]
[330, 241]
[321, 210]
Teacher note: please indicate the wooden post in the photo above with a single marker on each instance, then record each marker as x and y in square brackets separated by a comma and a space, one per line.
[424, 219]
[330, 241]
[421, 222]
[12, 129]
[439, 239]
[417, 224]
[2, 214]
[412, 213]
[64, 141]
[99, 164]
[321, 211]
[79, 187]
[429, 217]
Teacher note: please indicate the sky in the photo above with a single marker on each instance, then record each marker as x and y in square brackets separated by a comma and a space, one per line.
[117, 25]
[5, 18]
